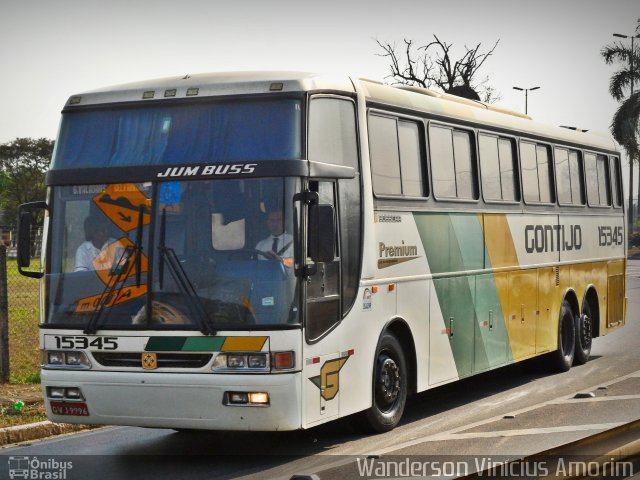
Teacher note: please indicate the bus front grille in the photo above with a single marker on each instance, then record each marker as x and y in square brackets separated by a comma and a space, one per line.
[165, 360]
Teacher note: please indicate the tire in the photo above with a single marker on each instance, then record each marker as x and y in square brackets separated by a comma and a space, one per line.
[390, 384]
[562, 359]
[584, 338]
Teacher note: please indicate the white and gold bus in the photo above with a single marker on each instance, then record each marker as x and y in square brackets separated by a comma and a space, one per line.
[272, 251]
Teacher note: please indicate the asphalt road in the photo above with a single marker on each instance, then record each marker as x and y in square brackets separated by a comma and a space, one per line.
[513, 411]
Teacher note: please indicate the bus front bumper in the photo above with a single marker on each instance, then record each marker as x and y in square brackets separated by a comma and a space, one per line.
[181, 401]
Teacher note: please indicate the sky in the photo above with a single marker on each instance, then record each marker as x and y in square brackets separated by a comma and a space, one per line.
[51, 49]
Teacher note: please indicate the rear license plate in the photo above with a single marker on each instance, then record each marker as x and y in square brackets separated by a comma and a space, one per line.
[76, 409]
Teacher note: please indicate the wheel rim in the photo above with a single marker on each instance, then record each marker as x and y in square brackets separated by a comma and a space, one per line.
[585, 332]
[388, 383]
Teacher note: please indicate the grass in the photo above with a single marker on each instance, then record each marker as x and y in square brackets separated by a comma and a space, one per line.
[24, 312]
[24, 353]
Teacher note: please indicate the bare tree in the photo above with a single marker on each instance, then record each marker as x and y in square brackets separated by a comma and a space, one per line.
[432, 65]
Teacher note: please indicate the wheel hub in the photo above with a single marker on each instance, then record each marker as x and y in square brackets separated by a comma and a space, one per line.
[388, 382]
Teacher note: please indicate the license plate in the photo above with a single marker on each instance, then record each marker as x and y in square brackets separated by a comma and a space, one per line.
[76, 409]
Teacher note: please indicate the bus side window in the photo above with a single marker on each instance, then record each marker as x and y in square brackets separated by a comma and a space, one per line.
[323, 287]
[333, 139]
[616, 182]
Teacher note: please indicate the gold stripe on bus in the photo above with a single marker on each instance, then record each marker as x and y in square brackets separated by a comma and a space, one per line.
[244, 344]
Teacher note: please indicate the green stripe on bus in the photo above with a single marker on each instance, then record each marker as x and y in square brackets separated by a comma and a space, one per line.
[184, 344]
[470, 304]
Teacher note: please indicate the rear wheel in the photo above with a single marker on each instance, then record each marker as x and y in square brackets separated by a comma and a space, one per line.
[562, 359]
[584, 336]
[390, 385]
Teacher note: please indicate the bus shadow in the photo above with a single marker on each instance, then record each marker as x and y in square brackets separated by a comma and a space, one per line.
[232, 453]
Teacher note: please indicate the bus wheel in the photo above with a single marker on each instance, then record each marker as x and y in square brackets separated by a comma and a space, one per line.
[583, 336]
[562, 359]
[390, 383]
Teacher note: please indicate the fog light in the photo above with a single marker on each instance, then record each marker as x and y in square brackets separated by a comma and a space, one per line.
[236, 361]
[238, 398]
[56, 358]
[55, 392]
[74, 394]
[259, 398]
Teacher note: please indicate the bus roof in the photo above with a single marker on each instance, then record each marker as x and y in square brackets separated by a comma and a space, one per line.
[447, 107]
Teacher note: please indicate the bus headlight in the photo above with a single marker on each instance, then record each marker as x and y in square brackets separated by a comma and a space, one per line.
[238, 362]
[55, 359]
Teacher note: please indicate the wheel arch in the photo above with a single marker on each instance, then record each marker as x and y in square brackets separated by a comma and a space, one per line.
[571, 298]
[401, 330]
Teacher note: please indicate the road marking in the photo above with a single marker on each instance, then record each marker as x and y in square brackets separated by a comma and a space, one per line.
[599, 399]
[524, 431]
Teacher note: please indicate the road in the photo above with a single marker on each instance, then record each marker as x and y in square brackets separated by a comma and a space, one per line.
[513, 411]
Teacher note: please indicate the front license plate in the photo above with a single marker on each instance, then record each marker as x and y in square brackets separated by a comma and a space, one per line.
[76, 409]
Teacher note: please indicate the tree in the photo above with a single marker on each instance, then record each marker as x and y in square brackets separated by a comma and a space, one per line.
[624, 125]
[23, 163]
[431, 65]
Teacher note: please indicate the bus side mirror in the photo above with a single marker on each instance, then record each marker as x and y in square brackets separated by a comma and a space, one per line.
[322, 233]
[25, 222]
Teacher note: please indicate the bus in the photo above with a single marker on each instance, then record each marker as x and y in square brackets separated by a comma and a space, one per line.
[276, 250]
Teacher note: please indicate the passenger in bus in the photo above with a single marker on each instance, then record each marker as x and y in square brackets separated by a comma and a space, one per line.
[279, 244]
[97, 239]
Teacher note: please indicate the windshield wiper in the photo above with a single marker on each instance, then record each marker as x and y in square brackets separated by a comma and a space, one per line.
[168, 255]
[118, 275]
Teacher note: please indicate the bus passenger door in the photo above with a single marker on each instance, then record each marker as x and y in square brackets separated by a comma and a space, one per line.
[323, 360]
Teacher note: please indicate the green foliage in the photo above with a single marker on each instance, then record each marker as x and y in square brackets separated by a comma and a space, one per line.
[24, 312]
[624, 125]
[23, 163]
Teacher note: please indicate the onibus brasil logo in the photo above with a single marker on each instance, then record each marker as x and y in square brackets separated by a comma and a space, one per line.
[37, 469]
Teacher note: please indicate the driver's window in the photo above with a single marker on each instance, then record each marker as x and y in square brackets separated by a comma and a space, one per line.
[323, 287]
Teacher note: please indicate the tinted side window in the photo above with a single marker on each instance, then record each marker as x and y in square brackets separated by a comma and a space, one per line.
[545, 175]
[508, 168]
[465, 165]
[592, 179]
[577, 177]
[453, 163]
[490, 167]
[529, 172]
[616, 182]
[497, 168]
[442, 166]
[411, 159]
[537, 173]
[597, 173]
[385, 161]
[563, 175]
[603, 180]
[332, 118]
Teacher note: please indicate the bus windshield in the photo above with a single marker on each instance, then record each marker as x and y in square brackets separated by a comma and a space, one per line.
[183, 254]
[180, 133]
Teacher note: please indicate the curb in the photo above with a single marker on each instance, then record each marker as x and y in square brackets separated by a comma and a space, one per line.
[35, 431]
[618, 444]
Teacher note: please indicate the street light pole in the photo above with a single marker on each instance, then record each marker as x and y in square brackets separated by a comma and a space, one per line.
[526, 96]
[631, 159]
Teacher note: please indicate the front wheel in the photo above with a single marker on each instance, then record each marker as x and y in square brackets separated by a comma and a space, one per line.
[390, 383]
